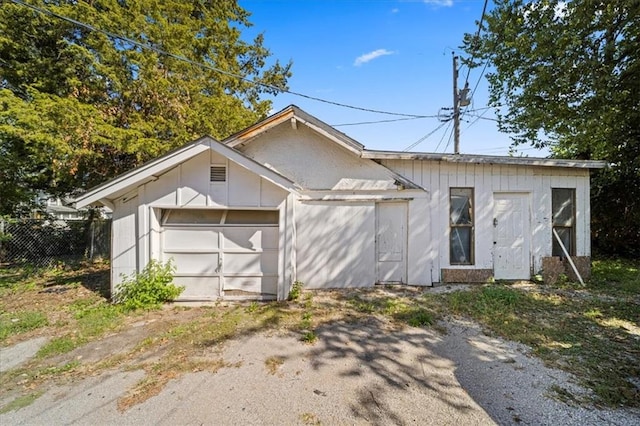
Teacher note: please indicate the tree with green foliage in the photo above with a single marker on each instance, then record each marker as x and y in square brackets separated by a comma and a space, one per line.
[566, 75]
[79, 104]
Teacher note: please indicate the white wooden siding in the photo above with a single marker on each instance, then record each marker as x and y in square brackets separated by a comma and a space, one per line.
[486, 179]
[123, 241]
[335, 244]
[136, 228]
[187, 185]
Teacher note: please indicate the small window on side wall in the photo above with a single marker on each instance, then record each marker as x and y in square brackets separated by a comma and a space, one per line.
[564, 220]
[461, 227]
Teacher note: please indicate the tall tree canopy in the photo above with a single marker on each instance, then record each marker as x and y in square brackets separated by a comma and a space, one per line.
[567, 76]
[78, 105]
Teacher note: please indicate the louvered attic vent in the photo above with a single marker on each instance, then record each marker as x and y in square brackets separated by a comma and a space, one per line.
[218, 174]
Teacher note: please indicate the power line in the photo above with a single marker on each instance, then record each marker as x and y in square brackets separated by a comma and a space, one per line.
[481, 117]
[209, 67]
[383, 121]
[448, 142]
[361, 123]
[484, 10]
[443, 135]
[466, 83]
[416, 143]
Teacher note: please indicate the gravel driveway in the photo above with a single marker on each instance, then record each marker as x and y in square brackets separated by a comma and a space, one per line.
[356, 373]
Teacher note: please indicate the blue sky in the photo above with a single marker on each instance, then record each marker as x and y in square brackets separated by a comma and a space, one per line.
[391, 55]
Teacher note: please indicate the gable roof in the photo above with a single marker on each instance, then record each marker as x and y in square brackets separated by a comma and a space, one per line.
[294, 115]
[151, 170]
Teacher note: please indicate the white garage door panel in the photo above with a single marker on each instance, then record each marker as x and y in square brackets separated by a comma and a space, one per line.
[264, 285]
[215, 260]
[194, 263]
[198, 287]
[251, 263]
[250, 238]
[190, 239]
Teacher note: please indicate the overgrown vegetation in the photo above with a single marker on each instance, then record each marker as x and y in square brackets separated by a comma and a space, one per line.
[148, 289]
[593, 332]
[406, 310]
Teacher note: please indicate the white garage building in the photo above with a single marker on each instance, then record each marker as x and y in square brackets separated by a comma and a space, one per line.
[292, 199]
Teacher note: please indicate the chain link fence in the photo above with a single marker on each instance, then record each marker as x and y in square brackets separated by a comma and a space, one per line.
[42, 242]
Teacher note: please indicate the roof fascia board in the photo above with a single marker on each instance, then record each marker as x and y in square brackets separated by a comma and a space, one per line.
[484, 159]
[149, 171]
[293, 112]
[252, 132]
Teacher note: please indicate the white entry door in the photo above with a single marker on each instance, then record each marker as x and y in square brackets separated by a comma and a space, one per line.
[511, 237]
[391, 242]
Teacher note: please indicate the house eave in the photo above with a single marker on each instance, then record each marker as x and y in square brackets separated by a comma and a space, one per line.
[107, 192]
[483, 159]
[292, 114]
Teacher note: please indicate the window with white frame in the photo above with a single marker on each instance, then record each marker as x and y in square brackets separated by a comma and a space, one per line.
[461, 226]
[563, 220]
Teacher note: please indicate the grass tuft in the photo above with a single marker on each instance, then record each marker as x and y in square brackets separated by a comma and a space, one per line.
[21, 402]
[20, 322]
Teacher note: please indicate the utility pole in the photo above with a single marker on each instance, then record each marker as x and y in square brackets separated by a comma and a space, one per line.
[456, 108]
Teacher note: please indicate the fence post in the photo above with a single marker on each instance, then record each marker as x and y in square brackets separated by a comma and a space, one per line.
[92, 229]
[1, 236]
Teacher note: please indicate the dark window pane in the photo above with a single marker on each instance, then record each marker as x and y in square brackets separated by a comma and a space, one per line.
[566, 235]
[184, 217]
[460, 245]
[562, 206]
[252, 217]
[461, 206]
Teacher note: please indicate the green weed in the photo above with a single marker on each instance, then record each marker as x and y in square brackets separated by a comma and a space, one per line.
[296, 290]
[416, 317]
[20, 322]
[592, 337]
[21, 402]
[58, 346]
[309, 337]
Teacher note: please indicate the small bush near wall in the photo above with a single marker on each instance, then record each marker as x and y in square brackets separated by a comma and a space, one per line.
[148, 289]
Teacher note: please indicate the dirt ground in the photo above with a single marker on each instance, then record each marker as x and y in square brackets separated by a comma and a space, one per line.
[359, 372]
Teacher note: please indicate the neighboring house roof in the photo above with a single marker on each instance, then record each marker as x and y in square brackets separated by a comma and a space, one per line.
[483, 159]
[151, 170]
[63, 209]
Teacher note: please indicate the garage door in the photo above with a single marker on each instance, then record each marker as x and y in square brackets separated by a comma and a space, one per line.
[229, 253]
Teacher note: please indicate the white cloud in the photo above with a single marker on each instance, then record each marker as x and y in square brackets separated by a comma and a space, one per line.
[444, 3]
[395, 10]
[363, 59]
